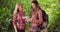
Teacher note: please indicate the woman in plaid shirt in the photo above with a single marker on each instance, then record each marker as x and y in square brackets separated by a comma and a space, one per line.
[18, 20]
[36, 18]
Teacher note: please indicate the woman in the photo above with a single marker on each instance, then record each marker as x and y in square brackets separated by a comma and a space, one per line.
[18, 18]
[36, 18]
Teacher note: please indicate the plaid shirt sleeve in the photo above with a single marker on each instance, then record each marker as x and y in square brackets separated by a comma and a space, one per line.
[14, 18]
[40, 17]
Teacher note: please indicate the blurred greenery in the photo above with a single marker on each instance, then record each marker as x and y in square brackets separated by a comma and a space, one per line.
[51, 7]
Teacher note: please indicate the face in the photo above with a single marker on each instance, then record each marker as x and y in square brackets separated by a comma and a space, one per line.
[20, 8]
[33, 5]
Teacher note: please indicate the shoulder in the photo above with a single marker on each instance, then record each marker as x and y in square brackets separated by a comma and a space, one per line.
[40, 11]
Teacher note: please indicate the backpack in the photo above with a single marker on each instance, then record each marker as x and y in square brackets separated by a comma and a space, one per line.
[45, 20]
[44, 16]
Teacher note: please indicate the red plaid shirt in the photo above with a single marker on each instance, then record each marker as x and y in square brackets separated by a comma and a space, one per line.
[35, 24]
[18, 20]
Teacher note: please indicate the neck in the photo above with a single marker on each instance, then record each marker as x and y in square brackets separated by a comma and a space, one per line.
[36, 9]
[21, 11]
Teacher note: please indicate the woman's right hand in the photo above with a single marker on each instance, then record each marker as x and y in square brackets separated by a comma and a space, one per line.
[26, 18]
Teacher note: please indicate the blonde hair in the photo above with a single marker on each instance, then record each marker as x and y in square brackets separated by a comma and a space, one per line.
[19, 4]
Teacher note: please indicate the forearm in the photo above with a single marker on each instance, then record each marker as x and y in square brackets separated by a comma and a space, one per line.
[15, 28]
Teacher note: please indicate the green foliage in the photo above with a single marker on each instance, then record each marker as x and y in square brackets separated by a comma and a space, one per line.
[51, 7]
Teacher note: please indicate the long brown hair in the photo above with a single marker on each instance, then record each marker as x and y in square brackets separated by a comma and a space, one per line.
[36, 3]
